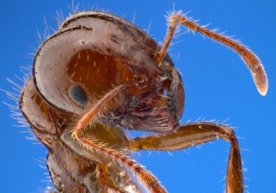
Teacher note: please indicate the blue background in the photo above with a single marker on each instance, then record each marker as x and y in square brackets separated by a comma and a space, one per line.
[218, 86]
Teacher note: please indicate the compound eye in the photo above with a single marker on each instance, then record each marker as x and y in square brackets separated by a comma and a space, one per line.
[78, 95]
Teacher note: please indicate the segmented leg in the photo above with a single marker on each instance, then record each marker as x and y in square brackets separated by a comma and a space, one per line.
[194, 134]
[249, 57]
[144, 176]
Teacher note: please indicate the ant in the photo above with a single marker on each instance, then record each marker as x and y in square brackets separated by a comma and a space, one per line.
[99, 75]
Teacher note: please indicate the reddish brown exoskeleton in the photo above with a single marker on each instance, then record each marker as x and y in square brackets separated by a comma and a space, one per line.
[100, 75]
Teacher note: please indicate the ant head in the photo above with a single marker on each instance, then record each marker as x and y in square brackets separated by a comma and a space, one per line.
[91, 53]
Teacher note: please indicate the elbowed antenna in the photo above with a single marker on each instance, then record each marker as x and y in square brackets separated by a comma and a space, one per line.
[252, 61]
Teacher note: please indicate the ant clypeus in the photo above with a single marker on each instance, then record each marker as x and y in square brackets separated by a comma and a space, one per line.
[99, 75]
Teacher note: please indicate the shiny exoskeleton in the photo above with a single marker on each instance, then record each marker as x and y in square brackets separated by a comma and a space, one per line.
[99, 75]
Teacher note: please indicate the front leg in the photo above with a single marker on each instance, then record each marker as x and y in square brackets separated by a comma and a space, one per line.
[194, 134]
[145, 177]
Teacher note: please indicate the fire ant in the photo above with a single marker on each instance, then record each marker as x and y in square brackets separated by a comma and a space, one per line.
[99, 75]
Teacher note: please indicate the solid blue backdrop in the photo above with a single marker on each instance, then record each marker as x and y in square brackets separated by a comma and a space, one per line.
[218, 87]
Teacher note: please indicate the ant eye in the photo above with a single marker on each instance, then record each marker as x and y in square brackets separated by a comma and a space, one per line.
[78, 95]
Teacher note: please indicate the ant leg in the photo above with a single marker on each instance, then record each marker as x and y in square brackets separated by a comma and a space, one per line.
[194, 134]
[248, 56]
[145, 177]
